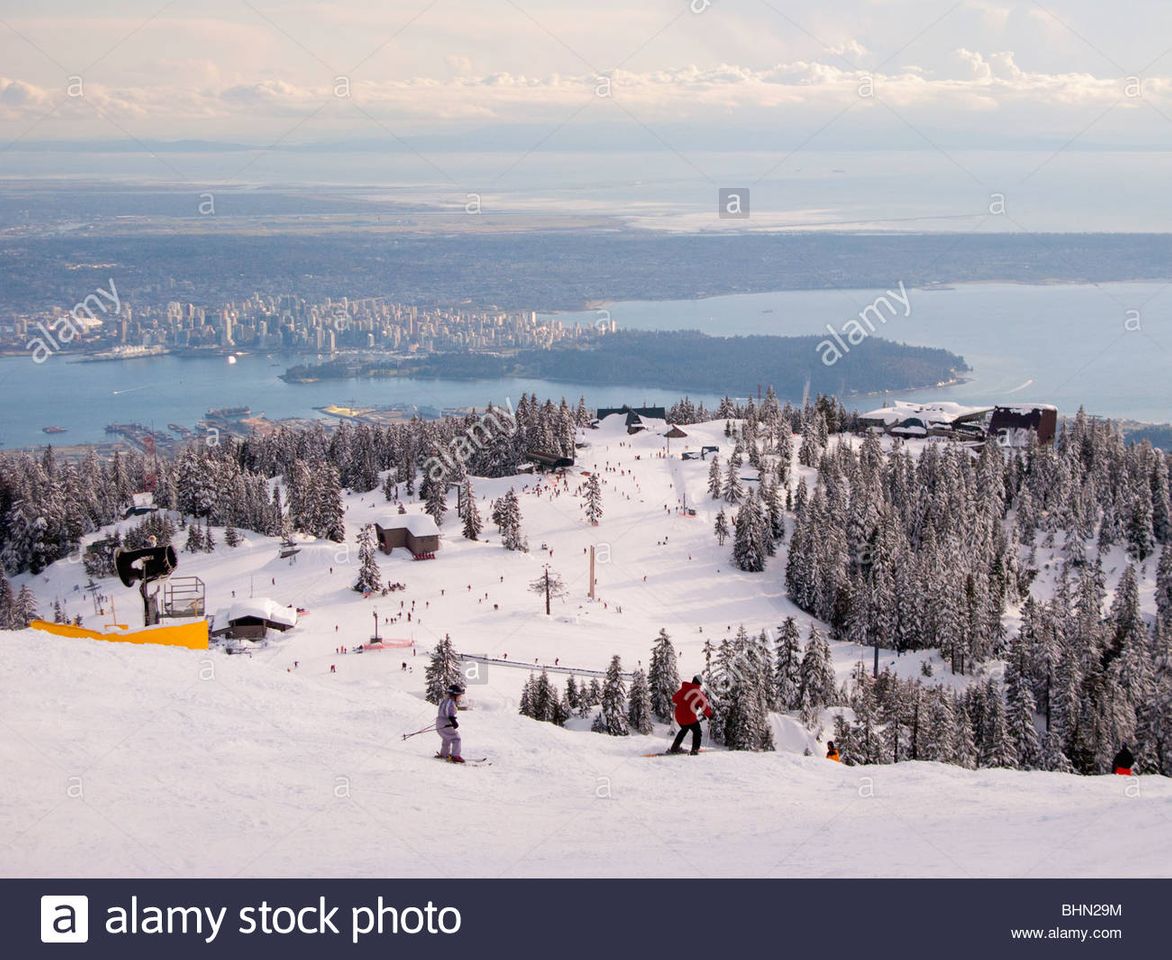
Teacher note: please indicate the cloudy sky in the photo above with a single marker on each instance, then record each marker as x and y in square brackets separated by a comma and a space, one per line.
[995, 72]
[858, 111]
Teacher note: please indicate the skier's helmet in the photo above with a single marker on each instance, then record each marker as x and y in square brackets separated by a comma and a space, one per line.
[696, 680]
[455, 690]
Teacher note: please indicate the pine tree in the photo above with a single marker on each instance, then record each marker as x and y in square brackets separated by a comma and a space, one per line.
[816, 686]
[639, 704]
[1164, 584]
[25, 609]
[209, 539]
[787, 667]
[7, 604]
[744, 701]
[572, 697]
[436, 500]
[370, 578]
[231, 535]
[721, 527]
[1053, 756]
[1000, 750]
[593, 504]
[750, 541]
[714, 485]
[542, 698]
[525, 707]
[471, 518]
[964, 744]
[510, 521]
[443, 670]
[734, 490]
[1020, 709]
[663, 677]
[612, 719]
[559, 711]
[195, 541]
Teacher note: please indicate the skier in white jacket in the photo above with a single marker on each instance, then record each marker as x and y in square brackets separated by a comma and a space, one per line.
[448, 727]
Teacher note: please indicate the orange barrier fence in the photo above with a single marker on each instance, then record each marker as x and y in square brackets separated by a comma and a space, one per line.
[192, 634]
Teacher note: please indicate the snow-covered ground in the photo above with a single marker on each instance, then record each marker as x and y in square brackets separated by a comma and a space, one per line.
[129, 760]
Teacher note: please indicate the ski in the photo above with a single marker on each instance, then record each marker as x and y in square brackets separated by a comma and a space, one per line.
[668, 753]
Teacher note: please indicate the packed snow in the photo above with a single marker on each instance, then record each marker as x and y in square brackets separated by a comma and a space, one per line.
[143, 761]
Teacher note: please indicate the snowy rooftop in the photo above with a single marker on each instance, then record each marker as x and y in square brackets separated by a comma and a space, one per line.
[262, 608]
[1025, 407]
[417, 524]
[941, 412]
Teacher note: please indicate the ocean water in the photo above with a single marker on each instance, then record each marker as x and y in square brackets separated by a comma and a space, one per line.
[1106, 347]
[156, 391]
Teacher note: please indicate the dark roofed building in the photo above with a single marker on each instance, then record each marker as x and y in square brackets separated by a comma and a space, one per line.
[550, 461]
[651, 413]
[1009, 425]
[415, 531]
[252, 619]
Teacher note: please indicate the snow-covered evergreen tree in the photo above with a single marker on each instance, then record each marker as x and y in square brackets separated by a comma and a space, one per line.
[751, 537]
[816, 686]
[787, 680]
[720, 528]
[510, 522]
[734, 490]
[639, 703]
[370, 578]
[612, 719]
[663, 677]
[443, 670]
[435, 503]
[593, 501]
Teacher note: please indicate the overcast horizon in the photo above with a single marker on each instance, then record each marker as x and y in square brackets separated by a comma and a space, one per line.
[892, 114]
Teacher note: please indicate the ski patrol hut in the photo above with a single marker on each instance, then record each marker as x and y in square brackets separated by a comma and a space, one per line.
[415, 531]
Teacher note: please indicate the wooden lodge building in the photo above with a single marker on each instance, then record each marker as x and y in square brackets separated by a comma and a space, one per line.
[416, 532]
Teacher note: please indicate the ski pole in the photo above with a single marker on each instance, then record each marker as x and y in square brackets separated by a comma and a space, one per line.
[408, 736]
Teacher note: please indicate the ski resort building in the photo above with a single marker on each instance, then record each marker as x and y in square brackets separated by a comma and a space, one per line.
[549, 461]
[651, 413]
[1010, 426]
[415, 531]
[141, 504]
[635, 416]
[252, 619]
[943, 419]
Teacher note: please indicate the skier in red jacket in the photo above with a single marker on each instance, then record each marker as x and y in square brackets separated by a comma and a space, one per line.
[691, 707]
